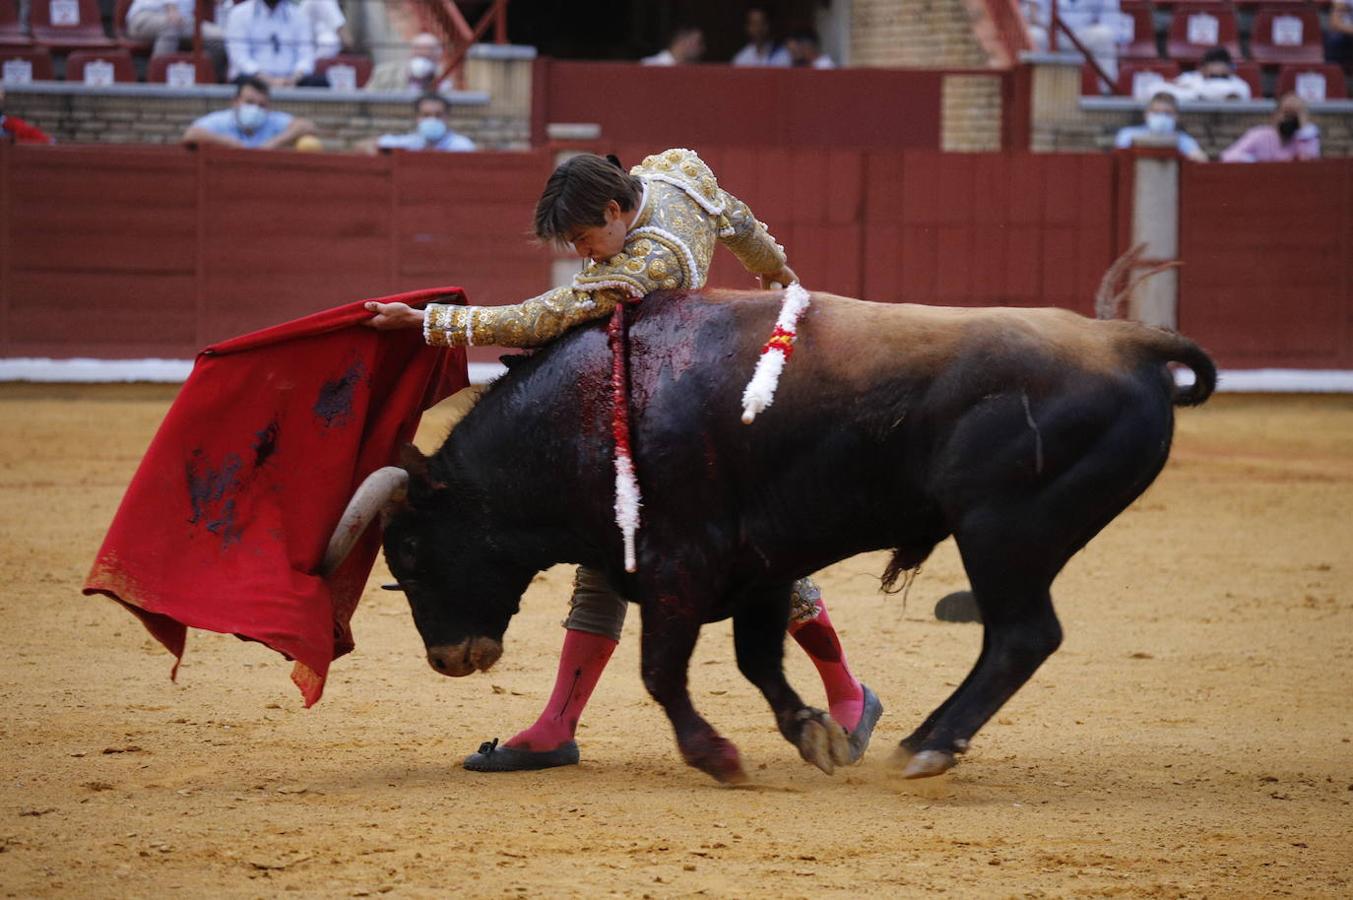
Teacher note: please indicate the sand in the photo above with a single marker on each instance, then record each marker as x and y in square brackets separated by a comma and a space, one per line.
[1191, 738]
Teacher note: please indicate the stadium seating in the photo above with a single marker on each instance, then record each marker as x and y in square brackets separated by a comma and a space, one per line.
[99, 67]
[1143, 43]
[1197, 27]
[359, 66]
[1322, 81]
[62, 25]
[11, 35]
[177, 68]
[1286, 35]
[33, 62]
[1131, 74]
[1253, 75]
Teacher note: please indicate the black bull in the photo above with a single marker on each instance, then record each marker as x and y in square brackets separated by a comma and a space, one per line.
[1022, 433]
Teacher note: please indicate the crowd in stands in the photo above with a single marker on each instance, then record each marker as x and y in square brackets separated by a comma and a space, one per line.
[1272, 47]
[799, 49]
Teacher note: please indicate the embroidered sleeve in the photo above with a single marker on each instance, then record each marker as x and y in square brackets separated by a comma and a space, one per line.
[530, 323]
[749, 240]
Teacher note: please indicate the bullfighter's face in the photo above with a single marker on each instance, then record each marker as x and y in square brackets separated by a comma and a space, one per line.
[461, 601]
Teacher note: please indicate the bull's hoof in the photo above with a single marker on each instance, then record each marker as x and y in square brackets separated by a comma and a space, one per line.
[928, 763]
[960, 606]
[717, 758]
[821, 741]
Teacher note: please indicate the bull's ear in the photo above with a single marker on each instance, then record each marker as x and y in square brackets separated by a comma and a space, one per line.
[421, 485]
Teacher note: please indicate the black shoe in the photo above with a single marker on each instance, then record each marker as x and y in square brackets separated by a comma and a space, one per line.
[492, 758]
[869, 717]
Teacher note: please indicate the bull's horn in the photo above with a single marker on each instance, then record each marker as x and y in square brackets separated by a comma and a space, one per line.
[381, 488]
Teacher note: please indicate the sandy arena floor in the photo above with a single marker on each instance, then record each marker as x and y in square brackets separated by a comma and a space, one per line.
[1191, 738]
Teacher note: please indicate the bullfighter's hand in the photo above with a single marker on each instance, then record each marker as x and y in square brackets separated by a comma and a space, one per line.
[783, 278]
[393, 315]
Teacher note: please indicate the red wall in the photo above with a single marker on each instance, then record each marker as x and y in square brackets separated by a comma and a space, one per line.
[118, 253]
[698, 106]
[1267, 278]
[134, 252]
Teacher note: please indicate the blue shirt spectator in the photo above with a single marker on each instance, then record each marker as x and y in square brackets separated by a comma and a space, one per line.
[249, 122]
[1162, 115]
[431, 131]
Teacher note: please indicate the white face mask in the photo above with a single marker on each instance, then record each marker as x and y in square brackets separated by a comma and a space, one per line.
[250, 116]
[421, 67]
[1160, 123]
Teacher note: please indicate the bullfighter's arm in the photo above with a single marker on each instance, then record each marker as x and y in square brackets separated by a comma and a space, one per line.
[749, 239]
[531, 323]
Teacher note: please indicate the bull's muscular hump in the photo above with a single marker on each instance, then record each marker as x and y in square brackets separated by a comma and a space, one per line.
[1020, 432]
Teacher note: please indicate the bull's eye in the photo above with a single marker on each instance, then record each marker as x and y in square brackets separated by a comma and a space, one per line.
[408, 553]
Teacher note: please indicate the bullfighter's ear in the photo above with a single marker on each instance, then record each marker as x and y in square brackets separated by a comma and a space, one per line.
[415, 463]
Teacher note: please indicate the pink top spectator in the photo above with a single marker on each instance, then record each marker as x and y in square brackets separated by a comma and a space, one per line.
[1262, 143]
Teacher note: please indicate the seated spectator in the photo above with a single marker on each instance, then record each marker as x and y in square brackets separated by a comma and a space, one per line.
[168, 23]
[1097, 24]
[1339, 34]
[17, 131]
[1291, 136]
[805, 52]
[431, 132]
[1214, 80]
[417, 73]
[249, 122]
[687, 46]
[329, 26]
[271, 40]
[1161, 121]
[761, 49]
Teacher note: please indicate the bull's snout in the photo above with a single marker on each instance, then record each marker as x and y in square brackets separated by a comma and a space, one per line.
[470, 655]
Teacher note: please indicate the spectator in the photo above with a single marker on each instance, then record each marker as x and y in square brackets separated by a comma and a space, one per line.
[167, 23]
[249, 122]
[273, 40]
[329, 26]
[1339, 35]
[17, 131]
[1214, 80]
[417, 73]
[1291, 136]
[761, 49]
[1162, 115]
[431, 131]
[687, 46]
[805, 52]
[1098, 24]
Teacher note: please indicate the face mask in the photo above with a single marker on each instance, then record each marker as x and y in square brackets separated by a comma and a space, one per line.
[250, 116]
[432, 130]
[421, 67]
[1160, 123]
[1287, 126]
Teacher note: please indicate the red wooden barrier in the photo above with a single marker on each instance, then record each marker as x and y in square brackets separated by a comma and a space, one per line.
[689, 106]
[156, 252]
[1267, 278]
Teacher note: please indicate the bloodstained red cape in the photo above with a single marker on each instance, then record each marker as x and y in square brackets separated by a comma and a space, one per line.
[227, 518]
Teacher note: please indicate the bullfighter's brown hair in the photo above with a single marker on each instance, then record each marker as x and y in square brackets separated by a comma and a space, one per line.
[577, 193]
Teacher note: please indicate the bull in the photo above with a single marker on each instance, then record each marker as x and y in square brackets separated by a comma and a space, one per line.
[1020, 432]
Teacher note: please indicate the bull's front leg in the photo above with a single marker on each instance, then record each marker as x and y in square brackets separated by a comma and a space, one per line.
[671, 627]
[759, 640]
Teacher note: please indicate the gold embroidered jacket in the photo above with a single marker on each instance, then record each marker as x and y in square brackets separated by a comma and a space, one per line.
[670, 244]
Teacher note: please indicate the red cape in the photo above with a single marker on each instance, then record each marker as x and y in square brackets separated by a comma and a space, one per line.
[228, 516]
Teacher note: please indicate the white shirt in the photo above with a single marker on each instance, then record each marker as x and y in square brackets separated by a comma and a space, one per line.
[278, 42]
[777, 55]
[1193, 86]
[325, 19]
[661, 58]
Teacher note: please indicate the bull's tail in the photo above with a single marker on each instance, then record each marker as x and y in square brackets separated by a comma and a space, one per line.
[1168, 346]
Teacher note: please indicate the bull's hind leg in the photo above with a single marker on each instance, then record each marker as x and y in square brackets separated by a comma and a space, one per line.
[1020, 632]
[671, 627]
[759, 641]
